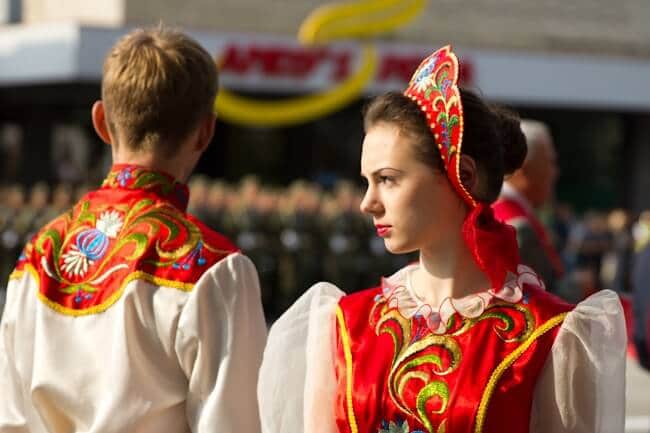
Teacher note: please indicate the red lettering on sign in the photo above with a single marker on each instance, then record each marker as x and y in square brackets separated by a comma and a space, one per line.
[299, 62]
[234, 60]
[401, 68]
[341, 65]
[283, 62]
[395, 67]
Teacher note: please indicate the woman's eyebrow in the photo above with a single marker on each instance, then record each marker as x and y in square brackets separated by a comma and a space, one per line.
[374, 173]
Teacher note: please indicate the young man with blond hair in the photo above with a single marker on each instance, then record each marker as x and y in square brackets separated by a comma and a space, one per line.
[127, 314]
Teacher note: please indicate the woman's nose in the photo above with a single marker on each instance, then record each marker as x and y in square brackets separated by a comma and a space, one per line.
[369, 204]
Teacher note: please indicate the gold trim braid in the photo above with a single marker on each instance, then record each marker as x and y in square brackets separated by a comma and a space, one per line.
[345, 339]
[507, 363]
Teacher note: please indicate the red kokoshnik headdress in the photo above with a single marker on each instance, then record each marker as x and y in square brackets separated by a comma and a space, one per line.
[434, 87]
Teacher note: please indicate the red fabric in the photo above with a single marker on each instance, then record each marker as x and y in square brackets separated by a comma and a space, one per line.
[434, 87]
[484, 235]
[507, 210]
[628, 314]
[375, 335]
[156, 239]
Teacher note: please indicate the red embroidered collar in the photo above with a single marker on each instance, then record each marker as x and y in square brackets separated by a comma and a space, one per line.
[133, 228]
[135, 177]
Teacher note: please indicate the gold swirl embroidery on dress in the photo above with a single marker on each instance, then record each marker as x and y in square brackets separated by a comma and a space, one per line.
[415, 349]
[409, 356]
[506, 329]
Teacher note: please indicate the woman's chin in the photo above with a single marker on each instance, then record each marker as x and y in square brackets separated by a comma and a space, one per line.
[393, 246]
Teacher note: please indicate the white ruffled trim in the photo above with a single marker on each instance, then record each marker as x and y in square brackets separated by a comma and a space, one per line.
[399, 294]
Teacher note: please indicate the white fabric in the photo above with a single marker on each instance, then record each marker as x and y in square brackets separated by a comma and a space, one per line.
[297, 383]
[158, 360]
[581, 388]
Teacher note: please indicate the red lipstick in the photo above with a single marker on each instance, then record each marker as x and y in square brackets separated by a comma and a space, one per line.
[382, 230]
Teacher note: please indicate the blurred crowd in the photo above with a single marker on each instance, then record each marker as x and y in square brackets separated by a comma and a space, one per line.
[597, 249]
[300, 234]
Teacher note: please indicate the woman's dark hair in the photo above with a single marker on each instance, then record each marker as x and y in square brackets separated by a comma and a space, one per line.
[491, 136]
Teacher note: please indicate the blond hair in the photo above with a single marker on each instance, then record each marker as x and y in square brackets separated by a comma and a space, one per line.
[157, 85]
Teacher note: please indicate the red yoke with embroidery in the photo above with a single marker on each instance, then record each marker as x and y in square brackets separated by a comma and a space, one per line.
[395, 375]
[133, 228]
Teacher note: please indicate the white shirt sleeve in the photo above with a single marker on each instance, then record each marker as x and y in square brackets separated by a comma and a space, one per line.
[582, 386]
[12, 416]
[219, 343]
[297, 385]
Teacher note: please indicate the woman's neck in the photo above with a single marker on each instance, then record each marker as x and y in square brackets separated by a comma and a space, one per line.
[447, 273]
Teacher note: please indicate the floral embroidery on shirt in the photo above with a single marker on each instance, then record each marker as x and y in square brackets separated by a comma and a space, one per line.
[128, 229]
[91, 244]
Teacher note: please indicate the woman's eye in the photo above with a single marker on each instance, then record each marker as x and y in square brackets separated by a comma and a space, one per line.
[386, 179]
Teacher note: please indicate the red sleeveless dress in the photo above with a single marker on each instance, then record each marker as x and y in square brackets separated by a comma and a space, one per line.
[397, 375]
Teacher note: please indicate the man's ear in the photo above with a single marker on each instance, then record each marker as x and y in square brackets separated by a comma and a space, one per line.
[469, 177]
[206, 132]
[100, 123]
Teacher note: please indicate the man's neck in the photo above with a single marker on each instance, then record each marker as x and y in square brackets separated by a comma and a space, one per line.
[147, 160]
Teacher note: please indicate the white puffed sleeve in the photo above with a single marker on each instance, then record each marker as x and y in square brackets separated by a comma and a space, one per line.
[219, 343]
[12, 413]
[582, 386]
[297, 384]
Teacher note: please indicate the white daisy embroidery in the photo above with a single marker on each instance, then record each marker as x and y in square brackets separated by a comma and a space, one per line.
[75, 262]
[110, 222]
[91, 244]
[423, 84]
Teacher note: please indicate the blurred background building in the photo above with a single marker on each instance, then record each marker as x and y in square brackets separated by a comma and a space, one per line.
[580, 66]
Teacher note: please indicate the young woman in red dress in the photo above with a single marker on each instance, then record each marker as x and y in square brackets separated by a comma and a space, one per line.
[466, 340]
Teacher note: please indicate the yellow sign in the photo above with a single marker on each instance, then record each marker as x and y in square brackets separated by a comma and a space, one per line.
[361, 19]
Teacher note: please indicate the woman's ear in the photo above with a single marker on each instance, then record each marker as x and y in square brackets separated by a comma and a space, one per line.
[469, 176]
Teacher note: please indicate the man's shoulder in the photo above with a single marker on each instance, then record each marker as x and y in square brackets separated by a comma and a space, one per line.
[54, 229]
[212, 238]
[184, 247]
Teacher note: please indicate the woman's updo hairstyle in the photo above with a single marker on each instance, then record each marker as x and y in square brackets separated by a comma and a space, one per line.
[492, 136]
